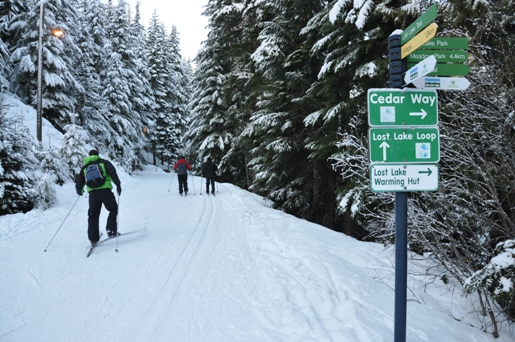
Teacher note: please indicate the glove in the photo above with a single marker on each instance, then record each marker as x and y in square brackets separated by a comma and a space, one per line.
[119, 190]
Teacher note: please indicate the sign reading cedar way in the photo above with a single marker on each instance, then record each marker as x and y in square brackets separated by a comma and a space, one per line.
[95, 175]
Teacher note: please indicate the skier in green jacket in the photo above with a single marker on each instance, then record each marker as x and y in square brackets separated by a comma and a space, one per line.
[99, 193]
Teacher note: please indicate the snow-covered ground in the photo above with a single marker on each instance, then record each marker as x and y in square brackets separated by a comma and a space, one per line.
[204, 268]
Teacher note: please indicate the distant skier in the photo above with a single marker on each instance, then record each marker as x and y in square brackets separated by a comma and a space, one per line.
[209, 172]
[98, 175]
[182, 167]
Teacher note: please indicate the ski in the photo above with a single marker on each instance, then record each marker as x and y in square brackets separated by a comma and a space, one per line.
[93, 247]
[104, 240]
[100, 241]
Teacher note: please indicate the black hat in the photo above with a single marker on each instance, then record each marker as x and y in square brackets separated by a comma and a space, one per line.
[182, 157]
[208, 158]
[93, 153]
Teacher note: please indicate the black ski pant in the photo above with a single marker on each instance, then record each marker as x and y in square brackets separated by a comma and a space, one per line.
[96, 199]
[210, 180]
[183, 183]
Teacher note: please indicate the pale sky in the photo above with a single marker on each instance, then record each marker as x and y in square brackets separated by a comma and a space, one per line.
[186, 15]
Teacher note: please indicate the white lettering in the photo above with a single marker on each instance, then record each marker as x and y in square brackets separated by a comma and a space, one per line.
[426, 136]
[426, 99]
[380, 137]
[388, 99]
[402, 136]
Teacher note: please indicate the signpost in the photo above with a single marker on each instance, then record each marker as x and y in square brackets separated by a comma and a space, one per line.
[442, 83]
[403, 156]
[420, 69]
[395, 107]
[419, 40]
[403, 177]
[404, 145]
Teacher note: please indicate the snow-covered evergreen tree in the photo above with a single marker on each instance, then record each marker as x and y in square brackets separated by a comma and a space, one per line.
[498, 276]
[144, 101]
[51, 162]
[351, 41]
[17, 163]
[206, 135]
[8, 9]
[47, 195]
[92, 39]
[58, 81]
[124, 89]
[179, 93]
[219, 107]
[277, 130]
[160, 82]
[73, 150]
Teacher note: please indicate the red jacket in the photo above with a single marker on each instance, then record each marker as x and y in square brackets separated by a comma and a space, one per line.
[182, 167]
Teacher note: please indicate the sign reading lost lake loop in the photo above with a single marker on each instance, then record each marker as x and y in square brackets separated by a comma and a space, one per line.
[395, 107]
[404, 145]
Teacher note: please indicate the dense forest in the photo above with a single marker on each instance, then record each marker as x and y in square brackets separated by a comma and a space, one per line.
[277, 97]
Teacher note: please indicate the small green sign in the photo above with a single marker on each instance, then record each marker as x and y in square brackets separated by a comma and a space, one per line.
[442, 69]
[443, 43]
[419, 24]
[395, 107]
[404, 145]
[442, 56]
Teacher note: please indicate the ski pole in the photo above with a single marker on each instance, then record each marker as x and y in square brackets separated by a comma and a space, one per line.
[171, 180]
[201, 178]
[117, 224]
[193, 182]
[62, 223]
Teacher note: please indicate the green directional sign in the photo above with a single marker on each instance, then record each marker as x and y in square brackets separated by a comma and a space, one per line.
[403, 177]
[443, 43]
[396, 107]
[442, 69]
[419, 24]
[404, 145]
[442, 56]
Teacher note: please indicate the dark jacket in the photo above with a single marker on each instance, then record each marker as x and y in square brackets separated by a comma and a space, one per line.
[111, 175]
[209, 169]
[182, 167]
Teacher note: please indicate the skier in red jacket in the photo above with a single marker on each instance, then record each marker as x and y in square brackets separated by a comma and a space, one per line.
[181, 168]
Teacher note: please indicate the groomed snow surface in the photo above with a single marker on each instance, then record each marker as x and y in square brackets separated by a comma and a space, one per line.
[204, 268]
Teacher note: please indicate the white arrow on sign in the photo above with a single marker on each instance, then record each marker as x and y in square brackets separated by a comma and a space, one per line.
[420, 69]
[384, 145]
[422, 113]
[442, 83]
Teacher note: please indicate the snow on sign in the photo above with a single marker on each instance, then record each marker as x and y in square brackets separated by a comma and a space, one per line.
[396, 107]
[403, 177]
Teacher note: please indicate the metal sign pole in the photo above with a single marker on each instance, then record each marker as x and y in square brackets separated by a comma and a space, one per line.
[401, 222]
